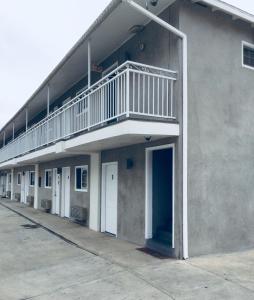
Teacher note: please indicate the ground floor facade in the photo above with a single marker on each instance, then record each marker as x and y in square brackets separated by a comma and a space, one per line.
[130, 192]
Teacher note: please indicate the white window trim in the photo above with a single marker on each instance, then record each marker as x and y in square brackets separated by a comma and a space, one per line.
[19, 173]
[30, 178]
[48, 170]
[81, 167]
[246, 44]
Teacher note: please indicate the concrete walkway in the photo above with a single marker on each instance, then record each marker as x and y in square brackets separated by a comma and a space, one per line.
[62, 260]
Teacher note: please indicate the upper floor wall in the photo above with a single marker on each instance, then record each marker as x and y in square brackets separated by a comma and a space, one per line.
[220, 131]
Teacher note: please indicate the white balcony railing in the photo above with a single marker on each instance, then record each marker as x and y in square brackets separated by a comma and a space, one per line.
[132, 89]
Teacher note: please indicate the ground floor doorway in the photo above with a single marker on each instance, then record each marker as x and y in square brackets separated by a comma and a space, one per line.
[160, 197]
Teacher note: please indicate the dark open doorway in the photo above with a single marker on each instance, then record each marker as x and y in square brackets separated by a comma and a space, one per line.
[162, 201]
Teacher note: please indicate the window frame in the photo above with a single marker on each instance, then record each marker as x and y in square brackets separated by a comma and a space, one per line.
[82, 189]
[31, 172]
[45, 178]
[19, 174]
[248, 45]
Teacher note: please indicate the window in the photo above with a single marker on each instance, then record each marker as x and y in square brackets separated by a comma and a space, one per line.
[31, 178]
[19, 179]
[81, 179]
[248, 55]
[48, 178]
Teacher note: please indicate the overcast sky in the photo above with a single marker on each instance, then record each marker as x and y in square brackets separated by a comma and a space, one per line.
[35, 35]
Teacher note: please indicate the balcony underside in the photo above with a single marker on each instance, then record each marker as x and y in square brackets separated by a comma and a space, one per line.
[118, 135]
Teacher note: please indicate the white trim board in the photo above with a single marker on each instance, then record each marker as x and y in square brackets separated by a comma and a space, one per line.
[230, 9]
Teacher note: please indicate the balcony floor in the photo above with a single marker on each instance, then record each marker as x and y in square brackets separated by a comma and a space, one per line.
[116, 135]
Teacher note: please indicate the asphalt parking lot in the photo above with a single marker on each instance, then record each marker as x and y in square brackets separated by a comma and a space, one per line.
[62, 260]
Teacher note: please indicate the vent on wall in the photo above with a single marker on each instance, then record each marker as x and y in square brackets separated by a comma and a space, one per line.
[79, 213]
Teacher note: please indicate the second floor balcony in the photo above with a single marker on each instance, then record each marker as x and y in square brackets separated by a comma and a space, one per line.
[132, 90]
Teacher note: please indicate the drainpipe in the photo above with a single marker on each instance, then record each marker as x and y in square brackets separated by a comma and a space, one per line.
[183, 37]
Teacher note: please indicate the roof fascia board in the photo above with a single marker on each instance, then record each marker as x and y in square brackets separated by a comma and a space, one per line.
[237, 13]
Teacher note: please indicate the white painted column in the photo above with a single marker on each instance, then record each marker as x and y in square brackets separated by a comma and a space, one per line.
[48, 99]
[89, 80]
[13, 131]
[48, 105]
[12, 184]
[26, 119]
[94, 215]
[89, 62]
[36, 187]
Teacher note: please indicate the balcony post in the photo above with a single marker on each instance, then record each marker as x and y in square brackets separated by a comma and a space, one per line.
[89, 79]
[48, 100]
[48, 105]
[13, 131]
[36, 187]
[128, 92]
[89, 63]
[26, 119]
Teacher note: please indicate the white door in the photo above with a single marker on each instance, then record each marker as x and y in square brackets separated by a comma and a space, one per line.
[65, 199]
[56, 192]
[110, 197]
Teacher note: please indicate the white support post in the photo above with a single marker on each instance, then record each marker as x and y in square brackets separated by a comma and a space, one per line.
[12, 184]
[13, 131]
[89, 63]
[48, 105]
[89, 79]
[94, 215]
[36, 187]
[128, 93]
[48, 100]
[26, 119]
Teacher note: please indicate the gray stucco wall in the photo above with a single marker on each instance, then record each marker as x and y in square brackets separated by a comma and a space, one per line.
[131, 192]
[77, 198]
[221, 130]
